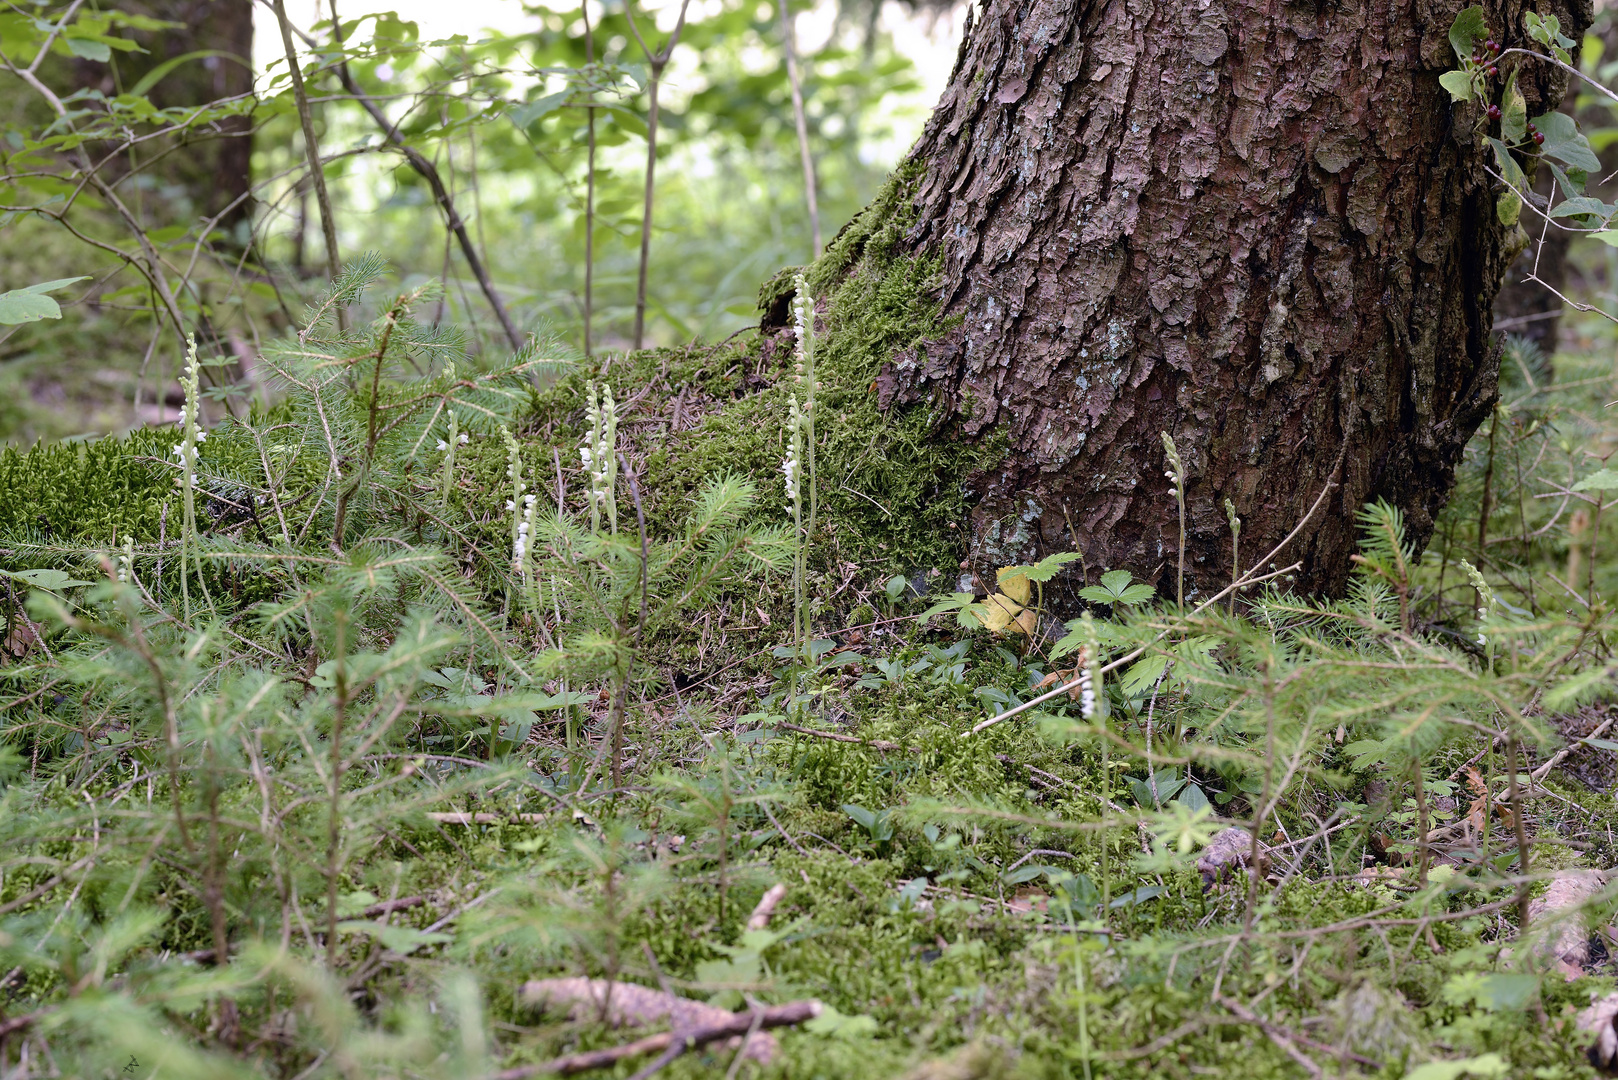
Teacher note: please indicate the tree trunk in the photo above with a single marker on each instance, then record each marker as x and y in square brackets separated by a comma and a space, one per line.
[1259, 227]
[211, 172]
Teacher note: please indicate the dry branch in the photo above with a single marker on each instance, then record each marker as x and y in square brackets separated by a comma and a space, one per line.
[696, 1023]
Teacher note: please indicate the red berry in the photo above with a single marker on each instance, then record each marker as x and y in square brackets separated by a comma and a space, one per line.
[1493, 71]
[1494, 46]
[1490, 45]
[1539, 138]
[1494, 112]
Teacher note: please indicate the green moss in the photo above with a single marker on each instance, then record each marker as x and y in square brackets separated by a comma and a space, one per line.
[890, 484]
[87, 492]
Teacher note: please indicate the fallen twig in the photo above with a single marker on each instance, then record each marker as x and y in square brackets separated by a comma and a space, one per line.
[875, 744]
[738, 1024]
[1276, 1035]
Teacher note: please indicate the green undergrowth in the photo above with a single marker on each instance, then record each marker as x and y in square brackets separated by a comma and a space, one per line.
[373, 670]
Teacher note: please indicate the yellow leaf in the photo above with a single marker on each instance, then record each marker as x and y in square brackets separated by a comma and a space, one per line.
[1014, 585]
[1002, 609]
[1028, 621]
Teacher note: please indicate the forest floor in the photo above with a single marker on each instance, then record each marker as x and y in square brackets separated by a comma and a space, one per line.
[454, 814]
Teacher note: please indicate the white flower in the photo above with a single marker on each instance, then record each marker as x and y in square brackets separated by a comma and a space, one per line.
[510, 505]
[202, 436]
[464, 439]
[442, 446]
[1087, 695]
[528, 501]
[1482, 640]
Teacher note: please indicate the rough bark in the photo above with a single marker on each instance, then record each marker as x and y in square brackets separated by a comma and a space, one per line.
[1258, 226]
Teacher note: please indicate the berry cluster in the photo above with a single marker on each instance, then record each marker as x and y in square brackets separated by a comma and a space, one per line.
[1486, 54]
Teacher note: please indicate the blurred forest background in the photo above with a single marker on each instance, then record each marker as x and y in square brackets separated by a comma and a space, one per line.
[499, 97]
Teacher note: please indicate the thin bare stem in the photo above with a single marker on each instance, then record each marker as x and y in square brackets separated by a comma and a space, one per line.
[311, 145]
[657, 62]
[789, 45]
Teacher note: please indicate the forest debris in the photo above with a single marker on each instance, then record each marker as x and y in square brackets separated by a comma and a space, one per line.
[1556, 921]
[760, 919]
[461, 817]
[623, 1004]
[1229, 850]
[1598, 1020]
[728, 1026]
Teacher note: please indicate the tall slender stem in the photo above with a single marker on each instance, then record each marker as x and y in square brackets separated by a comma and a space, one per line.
[790, 45]
[1520, 829]
[334, 816]
[311, 145]
[657, 62]
[589, 176]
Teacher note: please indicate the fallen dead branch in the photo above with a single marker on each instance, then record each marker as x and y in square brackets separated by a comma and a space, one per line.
[875, 744]
[732, 1025]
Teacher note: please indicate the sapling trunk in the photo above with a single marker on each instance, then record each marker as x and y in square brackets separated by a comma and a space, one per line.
[311, 145]
[789, 45]
[1520, 829]
[589, 175]
[656, 62]
[334, 813]
[1421, 827]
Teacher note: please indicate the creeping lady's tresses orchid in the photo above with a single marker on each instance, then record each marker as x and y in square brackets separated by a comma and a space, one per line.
[599, 455]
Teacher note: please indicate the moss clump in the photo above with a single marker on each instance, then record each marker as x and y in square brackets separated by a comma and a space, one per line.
[890, 484]
[86, 491]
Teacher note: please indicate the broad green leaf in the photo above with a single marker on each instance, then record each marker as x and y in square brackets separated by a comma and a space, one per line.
[1494, 992]
[1607, 236]
[154, 76]
[31, 304]
[1458, 83]
[1580, 206]
[1139, 679]
[1513, 113]
[1565, 142]
[1466, 31]
[1508, 208]
[836, 1025]
[89, 49]
[1193, 798]
[1605, 480]
[1485, 1067]
[1510, 171]
[45, 579]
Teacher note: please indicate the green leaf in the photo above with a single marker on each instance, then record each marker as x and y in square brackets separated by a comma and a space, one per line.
[1510, 171]
[836, 1025]
[1193, 798]
[1488, 1066]
[31, 304]
[1493, 992]
[45, 579]
[1139, 679]
[1458, 83]
[1607, 236]
[1508, 208]
[1581, 206]
[154, 76]
[1513, 113]
[89, 49]
[1466, 31]
[401, 939]
[1565, 142]
[1605, 480]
